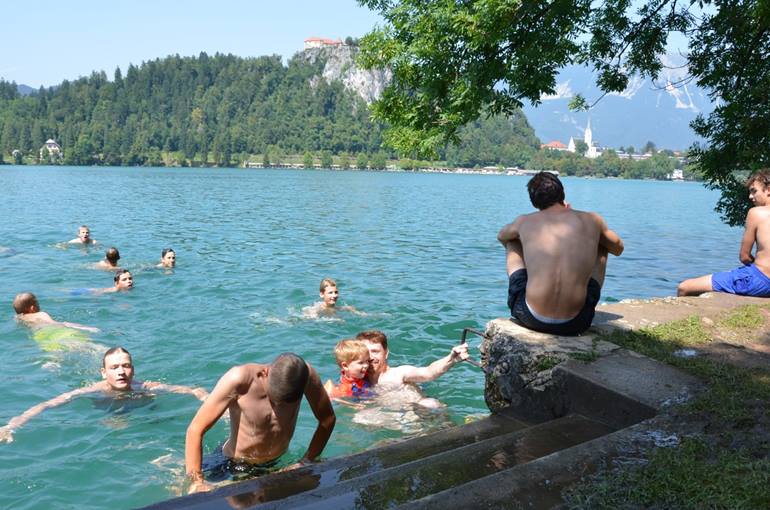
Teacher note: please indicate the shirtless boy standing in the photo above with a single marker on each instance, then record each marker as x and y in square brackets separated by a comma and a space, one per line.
[556, 260]
[753, 277]
[264, 402]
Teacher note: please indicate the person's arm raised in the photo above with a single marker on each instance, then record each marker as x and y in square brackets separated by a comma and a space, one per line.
[208, 414]
[436, 369]
[749, 236]
[322, 408]
[6, 432]
[608, 238]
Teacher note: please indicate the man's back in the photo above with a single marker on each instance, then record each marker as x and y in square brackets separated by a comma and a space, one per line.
[560, 250]
[760, 218]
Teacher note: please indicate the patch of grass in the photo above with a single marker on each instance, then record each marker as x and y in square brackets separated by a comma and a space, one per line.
[585, 356]
[546, 362]
[695, 475]
[745, 317]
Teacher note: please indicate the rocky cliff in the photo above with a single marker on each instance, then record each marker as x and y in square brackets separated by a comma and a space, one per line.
[340, 65]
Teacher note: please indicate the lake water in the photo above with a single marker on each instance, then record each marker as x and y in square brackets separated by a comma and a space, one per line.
[418, 252]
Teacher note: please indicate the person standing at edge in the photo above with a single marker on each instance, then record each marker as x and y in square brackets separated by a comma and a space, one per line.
[556, 259]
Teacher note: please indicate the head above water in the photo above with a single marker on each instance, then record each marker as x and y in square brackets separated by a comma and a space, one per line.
[112, 255]
[377, 343]
[118, 368]
[545, 190]
[287, 378]
[168, 257]
[350, 349]
[26, 302]
[123, 279]
[84, 233]
[329, 292]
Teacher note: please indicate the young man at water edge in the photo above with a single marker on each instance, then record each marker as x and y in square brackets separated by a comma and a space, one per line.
[328, 305]
[28, 312]
[118, 378]
[556, 260]
[386, 377]
[753, 278]
[264, 402]
[84, 237]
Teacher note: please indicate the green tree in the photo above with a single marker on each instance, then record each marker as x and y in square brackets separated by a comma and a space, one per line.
[326, 159]
[307, 159]
[362, 160]
[454, 61]
[345, 160]
[580, 147]
[649, 148]
[379, 161]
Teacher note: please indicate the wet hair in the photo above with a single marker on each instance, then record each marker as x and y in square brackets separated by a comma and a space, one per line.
[113, 351]
[166, 250]
[545, 190]
[118, 273]
[23, 301]
[287, 378]
[761, 176]
[326, 282]
[113, 255]
[85, 227]
[374, 336]
[349, 350]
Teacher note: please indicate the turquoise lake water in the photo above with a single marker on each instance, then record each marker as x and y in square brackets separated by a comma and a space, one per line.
[418, 252]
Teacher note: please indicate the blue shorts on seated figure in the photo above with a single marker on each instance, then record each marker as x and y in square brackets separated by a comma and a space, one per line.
[523, 315]
[743, 281]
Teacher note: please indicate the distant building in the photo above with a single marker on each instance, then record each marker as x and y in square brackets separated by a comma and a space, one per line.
[320, 42]
[677, 175]
[593, 151]
[53, 149]
[554, 145]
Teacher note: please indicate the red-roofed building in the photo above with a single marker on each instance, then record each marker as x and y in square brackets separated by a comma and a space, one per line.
[321, 42]
[554, 146]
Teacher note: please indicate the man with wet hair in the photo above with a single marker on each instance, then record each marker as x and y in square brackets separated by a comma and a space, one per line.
[28, 312]
[167, 258]
[264, 402]
[123, 281]
[753, 277]
[117, 377]
[556, 259]
[110, 262]
[84, 236]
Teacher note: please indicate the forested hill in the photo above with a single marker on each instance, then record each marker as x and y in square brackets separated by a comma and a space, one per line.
[220, 109]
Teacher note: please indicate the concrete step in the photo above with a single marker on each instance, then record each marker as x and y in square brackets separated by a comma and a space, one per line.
[325, 474]
[427, 475]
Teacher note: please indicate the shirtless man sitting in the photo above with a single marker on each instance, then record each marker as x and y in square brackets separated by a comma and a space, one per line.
[117, 377]
[84, 236]
[28, 312]
[753, 278]
[264, 403]
[556, 260]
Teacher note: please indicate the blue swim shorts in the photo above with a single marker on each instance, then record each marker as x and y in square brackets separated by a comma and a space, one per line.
[744, 281]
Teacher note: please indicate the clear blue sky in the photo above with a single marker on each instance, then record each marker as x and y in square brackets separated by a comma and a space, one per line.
[46, 42]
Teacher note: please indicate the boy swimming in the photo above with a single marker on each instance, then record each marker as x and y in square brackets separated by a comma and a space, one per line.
[28, 312]
[329, 294]
[110, 262]
[353, 359]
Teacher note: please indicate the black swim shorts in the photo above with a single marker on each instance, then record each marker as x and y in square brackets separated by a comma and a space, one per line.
[218, 467]
[517, 287]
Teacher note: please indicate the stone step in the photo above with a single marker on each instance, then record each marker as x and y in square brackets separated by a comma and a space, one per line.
[428, 475]
[328, 473]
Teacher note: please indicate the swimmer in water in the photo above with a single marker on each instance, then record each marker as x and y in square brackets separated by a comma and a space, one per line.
[110, 262]
[28, 312]
[328, 305]
[167, 258]
[387, 378]
[117, 378]
[84, 237]
[123, 281]
[353, 359]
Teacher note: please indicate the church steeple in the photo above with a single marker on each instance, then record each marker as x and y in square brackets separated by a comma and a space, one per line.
[588, 137]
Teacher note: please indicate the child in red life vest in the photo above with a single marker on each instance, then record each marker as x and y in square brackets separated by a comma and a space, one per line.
[353, 360]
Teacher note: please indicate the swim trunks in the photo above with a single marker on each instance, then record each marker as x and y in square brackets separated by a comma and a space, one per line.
[358, 388]
[218, 467]
[56, 338]
[522, 315]
[744, 281]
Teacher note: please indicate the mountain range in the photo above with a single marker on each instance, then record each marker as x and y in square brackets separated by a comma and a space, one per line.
[658, 111]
